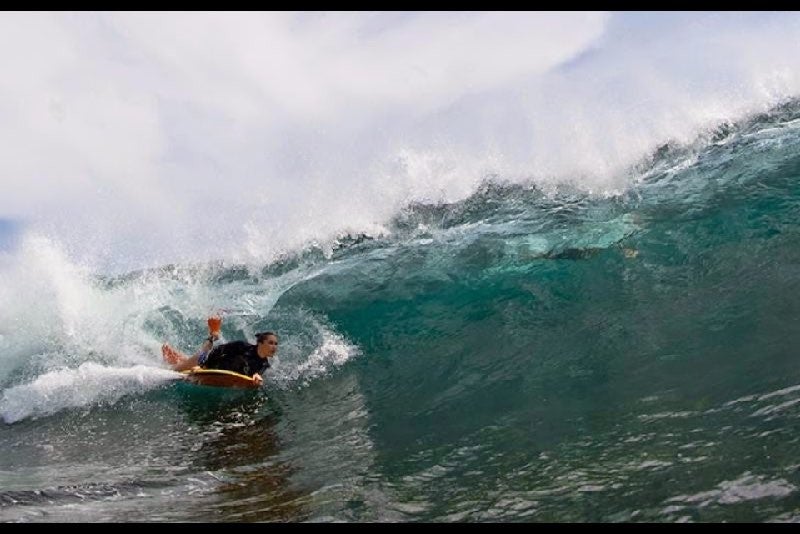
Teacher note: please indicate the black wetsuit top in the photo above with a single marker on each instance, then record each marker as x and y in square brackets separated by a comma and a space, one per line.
[237, 356]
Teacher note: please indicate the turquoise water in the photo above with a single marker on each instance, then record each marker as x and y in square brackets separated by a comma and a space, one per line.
[524, 355]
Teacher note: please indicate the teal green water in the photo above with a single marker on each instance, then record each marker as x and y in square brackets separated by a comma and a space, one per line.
[521, 356]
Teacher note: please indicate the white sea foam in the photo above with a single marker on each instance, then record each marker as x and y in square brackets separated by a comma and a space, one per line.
[328, 351]
[89, 384]
[193, 136]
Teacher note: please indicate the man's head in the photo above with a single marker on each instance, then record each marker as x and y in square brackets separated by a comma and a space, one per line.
[266, 344]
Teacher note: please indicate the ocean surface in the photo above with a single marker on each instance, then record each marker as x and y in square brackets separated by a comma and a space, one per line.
[527, 354]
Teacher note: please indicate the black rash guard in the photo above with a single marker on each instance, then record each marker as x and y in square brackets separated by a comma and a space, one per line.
[237, 356]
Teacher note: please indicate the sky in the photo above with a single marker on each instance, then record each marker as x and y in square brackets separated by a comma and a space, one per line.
[140, 139]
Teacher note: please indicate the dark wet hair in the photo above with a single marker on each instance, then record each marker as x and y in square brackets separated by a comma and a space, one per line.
[262, 336]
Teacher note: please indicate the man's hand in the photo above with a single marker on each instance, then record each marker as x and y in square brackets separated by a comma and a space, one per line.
[214, 325]
[257, 379]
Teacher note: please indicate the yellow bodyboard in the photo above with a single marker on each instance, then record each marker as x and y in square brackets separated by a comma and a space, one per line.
[218, 378]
